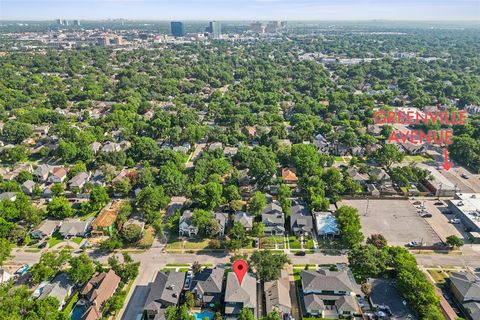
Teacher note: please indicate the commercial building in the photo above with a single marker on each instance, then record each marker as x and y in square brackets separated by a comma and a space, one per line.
[178, 28]
[439, 185]
[467, 208]
[215, 29]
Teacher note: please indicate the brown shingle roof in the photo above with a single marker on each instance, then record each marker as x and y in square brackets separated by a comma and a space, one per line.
[99, 289]
[108, 215]
[289, 174]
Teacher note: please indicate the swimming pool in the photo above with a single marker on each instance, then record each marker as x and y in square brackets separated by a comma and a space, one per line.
[77, 312]
[204, 315]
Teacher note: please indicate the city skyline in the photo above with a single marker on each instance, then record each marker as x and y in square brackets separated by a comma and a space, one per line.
[442, 10]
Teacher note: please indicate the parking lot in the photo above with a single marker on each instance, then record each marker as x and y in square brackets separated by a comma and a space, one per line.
[397, 220]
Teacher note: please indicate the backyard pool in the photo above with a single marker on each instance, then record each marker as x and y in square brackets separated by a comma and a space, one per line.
[204, 315]
[78, 311]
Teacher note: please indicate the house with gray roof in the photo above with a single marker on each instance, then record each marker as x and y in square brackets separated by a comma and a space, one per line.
[28, 187]
[329, 294]
[75, 227]
[163, 292]
[79, 180]
[222, 219]
[45, 229]
[207, 286]
[301, 221]
[244, 219]
[12, 196]
[273, 219]
[185, 225]
[277, 295]
[238, 297]
[42, 172]
[59, 287]
[465, 287]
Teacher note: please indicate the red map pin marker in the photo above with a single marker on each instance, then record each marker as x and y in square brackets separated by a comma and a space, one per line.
[240, 268]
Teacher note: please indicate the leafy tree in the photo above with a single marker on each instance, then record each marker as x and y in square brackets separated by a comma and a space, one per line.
[208, 196]
[196, 267]
[257, 203]
[59, 208]
[132, 233]
[367, 261]
[17, 153]
[122, 187]
[81, 268]
[24, 176]
[231, 193]
[377, 240]
[388, 155]
[116, 302]
[284, 197]
[15, 131]
[172, 179]
[268, 264]
[349, 224]
[5, 250]
[189, 300]
[49, 264]
[258, 229]
[454, 241]
[274, 315]
[246, 314]
[237, 237]
[128, 270]
[150, 200]
[57, 189]
[98, 197]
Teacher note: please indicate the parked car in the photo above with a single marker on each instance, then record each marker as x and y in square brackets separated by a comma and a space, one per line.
[188, 280]
[300, 253]
[22, 270]
[438, 203]
[425, 215]
[43, 245]
[455, 221]
[414, 244]
[465, 176]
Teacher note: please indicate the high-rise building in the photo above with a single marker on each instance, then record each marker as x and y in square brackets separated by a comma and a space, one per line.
[272, 26]
[60, 22]
[117, 40]
[76, 22]
[215, 29]
[178, 29]
[257, 27]
[65, 22]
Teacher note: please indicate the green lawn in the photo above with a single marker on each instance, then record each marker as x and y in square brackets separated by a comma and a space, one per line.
[55, 239]
[69, 307]
[197, 244]
[77, 240]
[308, 244]
[175, 244]
[294, 242]
[437, 275]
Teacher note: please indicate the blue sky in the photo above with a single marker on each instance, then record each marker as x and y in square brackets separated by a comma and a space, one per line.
[242, 9]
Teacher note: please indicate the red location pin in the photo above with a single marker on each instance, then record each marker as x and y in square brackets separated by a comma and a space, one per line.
[240, 268]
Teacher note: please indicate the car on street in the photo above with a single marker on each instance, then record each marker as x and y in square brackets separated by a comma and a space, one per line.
[425, 215]
[188, 280]
[465, 176]
[414, 244]
[42, 245]
[455, 221]
[300, 253]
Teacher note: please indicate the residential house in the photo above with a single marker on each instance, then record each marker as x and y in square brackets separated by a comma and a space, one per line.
[12, 196]
[98, 289]
[215, 145]
[222, 219]
[274, 219]
[207, 286]
[240, 296]
[230, 151]
[357, 176]
[98, 178]
[59, 287]
[381, 176]
[75, 227]
[244, 219]
[465, 288]
[326, 224]
[301, 221]
[79, 180]
[41, 172]
[329, 294]
[111, 147]
[164, 291]
[251, 131]
[45, 229]
[176, 204]
[57, 175]
[277, 295]
[373, 191]
[104, 223]
[289, 176]
[28, 187]
[4, 276]
[95, 146]
[185, 225]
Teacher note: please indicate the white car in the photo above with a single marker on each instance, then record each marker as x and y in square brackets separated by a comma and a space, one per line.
[455, 221]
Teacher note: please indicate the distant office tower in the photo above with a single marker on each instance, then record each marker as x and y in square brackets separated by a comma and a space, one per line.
[103, 41]
[215, 29]
[117, 40]
[272, 26]
[178, 30]
[76, 22]
[65, 22]
[258, 27]
[60, 22]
